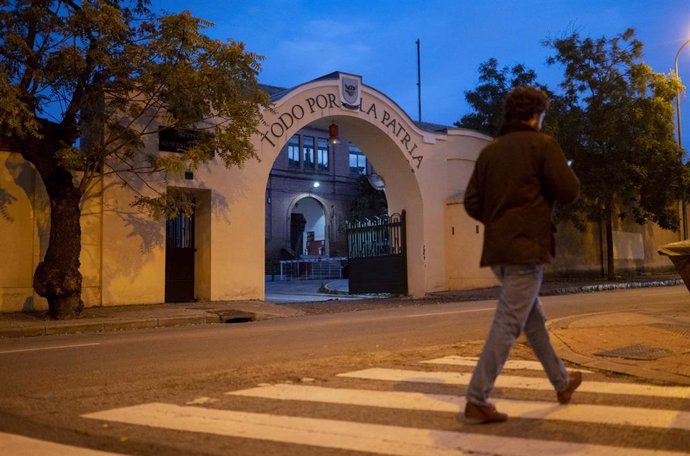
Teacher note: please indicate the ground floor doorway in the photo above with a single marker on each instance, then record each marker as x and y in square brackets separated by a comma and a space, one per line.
[179, 258]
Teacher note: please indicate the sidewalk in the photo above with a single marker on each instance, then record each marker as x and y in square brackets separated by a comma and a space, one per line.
[120, 318]
[609, 341]
[648, 344]
[651, 345]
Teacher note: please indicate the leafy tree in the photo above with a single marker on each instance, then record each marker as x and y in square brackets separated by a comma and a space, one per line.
[367, 202]
[487, 99]
[84, 82]
[616, 123]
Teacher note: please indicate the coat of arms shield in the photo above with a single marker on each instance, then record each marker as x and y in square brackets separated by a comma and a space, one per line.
[350, 91]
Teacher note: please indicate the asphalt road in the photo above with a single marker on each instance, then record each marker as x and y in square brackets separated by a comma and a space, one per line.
[63, 389]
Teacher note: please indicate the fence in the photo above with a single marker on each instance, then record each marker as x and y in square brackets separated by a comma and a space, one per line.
[376, 237]
[312, 268]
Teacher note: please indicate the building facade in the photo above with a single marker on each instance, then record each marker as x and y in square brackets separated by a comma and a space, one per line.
[244, 215]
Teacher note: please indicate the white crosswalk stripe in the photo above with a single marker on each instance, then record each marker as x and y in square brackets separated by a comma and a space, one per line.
[508, 381]
[468, 361]
[631, 416]
[398, 440]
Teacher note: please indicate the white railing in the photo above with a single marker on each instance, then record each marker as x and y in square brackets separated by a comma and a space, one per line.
[312, 268]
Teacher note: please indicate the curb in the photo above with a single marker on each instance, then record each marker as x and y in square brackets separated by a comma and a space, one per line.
[546, 291]
[613, 286]
[334, 291]
[47, 329]
[110, 324]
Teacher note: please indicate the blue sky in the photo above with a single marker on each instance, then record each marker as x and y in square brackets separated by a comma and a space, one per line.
[302, 40]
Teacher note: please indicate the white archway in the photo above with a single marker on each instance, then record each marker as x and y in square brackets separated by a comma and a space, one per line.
[378, 126]
[423, 171]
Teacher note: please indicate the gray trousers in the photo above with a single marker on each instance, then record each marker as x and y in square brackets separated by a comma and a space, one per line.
[518, 309]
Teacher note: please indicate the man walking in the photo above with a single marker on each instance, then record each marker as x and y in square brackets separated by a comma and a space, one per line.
[516, 181]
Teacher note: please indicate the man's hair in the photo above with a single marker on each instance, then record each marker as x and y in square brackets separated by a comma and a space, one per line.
[524, 102]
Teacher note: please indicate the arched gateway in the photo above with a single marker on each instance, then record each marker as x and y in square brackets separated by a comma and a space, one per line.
[124, 255]
[425, 172]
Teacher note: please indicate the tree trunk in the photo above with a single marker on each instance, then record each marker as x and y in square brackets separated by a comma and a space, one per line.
[611, 271]
[57, 277]
[602, 269]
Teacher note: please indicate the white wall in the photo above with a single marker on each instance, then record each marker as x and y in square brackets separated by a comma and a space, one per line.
[314, 214]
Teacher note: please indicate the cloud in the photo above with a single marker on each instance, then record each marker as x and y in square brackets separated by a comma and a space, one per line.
[329, 28]
[325, 54]
[319, 47]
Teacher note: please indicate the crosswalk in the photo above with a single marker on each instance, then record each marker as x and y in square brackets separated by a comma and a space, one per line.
[434, 390]
[377, 390]
[352, 436]
[632, 416]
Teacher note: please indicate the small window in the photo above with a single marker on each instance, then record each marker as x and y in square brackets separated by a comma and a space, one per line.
[308, 153]
[293, 152]
[358, 161]
[322, 155]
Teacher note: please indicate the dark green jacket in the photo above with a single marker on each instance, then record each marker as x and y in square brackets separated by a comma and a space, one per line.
[516, 180]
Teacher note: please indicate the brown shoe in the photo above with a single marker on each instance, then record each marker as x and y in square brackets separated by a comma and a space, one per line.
[483, 414]
[567, 394]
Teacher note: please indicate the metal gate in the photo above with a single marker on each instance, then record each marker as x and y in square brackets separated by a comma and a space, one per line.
[377, 255]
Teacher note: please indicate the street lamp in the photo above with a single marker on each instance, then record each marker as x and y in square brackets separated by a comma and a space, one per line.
[679, 129]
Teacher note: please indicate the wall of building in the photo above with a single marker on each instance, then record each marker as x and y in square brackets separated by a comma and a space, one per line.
[578, 253]
[24, 234]
[24, 229]
[634, 248]
[463, 235]
[133, 251]
[241, 215]
[463, 240]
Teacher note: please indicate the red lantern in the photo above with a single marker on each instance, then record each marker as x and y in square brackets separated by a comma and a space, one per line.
[333, 136]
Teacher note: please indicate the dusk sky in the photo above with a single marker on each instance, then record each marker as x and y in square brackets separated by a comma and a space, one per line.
[303, 40]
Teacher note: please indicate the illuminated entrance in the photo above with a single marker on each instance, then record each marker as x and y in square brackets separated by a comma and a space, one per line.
[422, 169]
